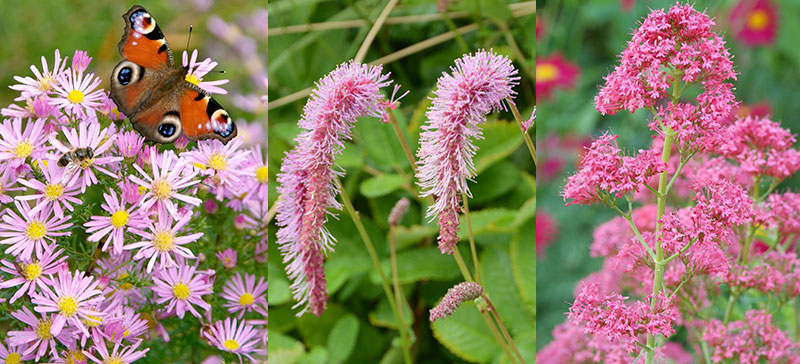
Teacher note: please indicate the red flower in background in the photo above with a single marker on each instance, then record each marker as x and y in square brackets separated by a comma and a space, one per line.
[754, 22]
[546, 228]
[627, 5]
[554, 72]
[539, 28]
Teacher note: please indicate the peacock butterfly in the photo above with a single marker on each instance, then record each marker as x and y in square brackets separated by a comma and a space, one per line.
[158, 100]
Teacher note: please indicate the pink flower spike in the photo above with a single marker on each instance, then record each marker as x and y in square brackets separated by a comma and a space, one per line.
[478, 85]
[71, 300]
[162, 241]
[460, 293]
[29, 232]
[182, 289]
[244, 294]
[306, 183]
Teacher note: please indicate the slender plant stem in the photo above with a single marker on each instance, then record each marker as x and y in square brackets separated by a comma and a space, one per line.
[403, 142]
[362, 51]
[371, 250]
[498, 337]
[462, 266]
[272, 211]
[472, 248]
[398, 295]
[525, 135]
[503, 328]
[452, 27]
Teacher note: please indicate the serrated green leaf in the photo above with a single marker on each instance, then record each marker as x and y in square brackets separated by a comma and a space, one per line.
[523, 264]
[466, 335]
[408, 235]
[498, 281]
[495, 181]
[380, 185]
[420, 264]
[500, 140]
[284, 349]
[383, 315]
[487, 221]
[342, 339]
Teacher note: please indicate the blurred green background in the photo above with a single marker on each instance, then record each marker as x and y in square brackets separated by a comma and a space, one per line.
[591, 35]
[358, 326]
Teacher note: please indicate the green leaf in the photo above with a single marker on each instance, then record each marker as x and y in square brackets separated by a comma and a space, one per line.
[498, 280]
[284, 349]
[352, 156]
[317, 354]
[500, 140]
[465, 334]
[487, 221]
[409, 235]
[495, 181]
[278, 286]
[340, 268]
[315, 330]
[523, 265]
[420, 264]
[381, 185]
[383, 315]
[526, 212]
[381, 144]
[342, 339]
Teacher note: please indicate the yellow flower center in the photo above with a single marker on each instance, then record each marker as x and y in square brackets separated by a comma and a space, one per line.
[191, 78]
[115, 112]
[75, 96]
[14, 358]
[230, 344]
[113, 360]
[43, 329]
[75, 357]
[46, 82]
[546, 72]
[35, 230]
[262, 174]
[164, 241]
[23, 149]
[217, 161]
[246, 299]
[94, 322]
[86, 163]
[181, 291]
[33, 271]
[68, 306]
[53, 191]
[162, 189]
[758, 20]
[125, 286]
[119, 219]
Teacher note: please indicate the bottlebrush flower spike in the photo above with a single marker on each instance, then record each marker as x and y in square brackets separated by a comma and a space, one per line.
[477, 86]
[460, 293]
[306, 183]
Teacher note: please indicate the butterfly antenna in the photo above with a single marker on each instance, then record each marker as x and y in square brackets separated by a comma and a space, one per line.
[189, 39]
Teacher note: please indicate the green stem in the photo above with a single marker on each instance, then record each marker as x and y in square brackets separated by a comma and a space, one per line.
[452, 26]
[498, 337]
[525, 135]
[403, 142]
[729, 309]
[503, 327]
[398, 295]
[372, 254]
[471, 239]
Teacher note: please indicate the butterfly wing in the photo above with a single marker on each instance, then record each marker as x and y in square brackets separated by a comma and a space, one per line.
[203, 118]
[143, 42]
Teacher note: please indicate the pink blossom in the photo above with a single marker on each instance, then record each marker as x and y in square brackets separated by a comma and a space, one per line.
[234, 337]
[460, 293]
[306, 180]
[17, 145]
[162, 242]
[29, 232]
[129, 144]
[753, 340]
[244, 294]
[30, 274]
[38, 335]
[45, 80]
[55, 192]
[478, 85]
[182, 289]
[71, 300]
[80, 61]
[170, 175]
[784, 209]
[88, 135]
[196, 71]
[113, 227]
[762, 147]
[228, 258]
[76, 95]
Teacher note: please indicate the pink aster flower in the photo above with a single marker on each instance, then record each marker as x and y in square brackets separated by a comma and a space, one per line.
[78, 95]
[478, 85]
[17, 145]
[29, 273]
[29, 232]
[753, 340]
[119, 354]
[124, 324]
[755, 22]
[129, 144]
[228, 258]
[38, 335]
[45, 80]
[182, 289]
[88, 135]
[306, 179]
[14, 354]
[222, 163]
[170, 174]
[80, 61]
[38, 107]
[554, 72]
[196, 71]
[71, 299]
[235, 337]
[162, 241]
[258, 174]
[55, 192]
[122, 218]
[244, 294]
[460, 293]
[8, 181]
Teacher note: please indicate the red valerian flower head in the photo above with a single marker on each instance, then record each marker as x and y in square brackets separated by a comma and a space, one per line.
[752, 340]
[554, 72]
[762, 148]
[755, 22]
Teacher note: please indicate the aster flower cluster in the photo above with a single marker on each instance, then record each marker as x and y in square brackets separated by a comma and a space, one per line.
[711, 229]
[105, 255]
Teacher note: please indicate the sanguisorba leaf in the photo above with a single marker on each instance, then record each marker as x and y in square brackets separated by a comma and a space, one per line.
[381, 144]
[279, 286]
[284, 349]
[487, 221]
[523, 265]
[500, 139]
[420, 263]
[381, 185]
[383, 315]
[494, 182]
[466, 335]
[342, 339]
[498, 281]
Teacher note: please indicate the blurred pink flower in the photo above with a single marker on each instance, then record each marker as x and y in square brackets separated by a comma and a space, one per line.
[750, 341]
[755, 22]
[554, 72]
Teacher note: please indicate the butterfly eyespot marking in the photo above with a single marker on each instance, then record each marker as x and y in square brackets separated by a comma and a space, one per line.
[126, 73]
[169, 128]
[142, 22]
[166, 130]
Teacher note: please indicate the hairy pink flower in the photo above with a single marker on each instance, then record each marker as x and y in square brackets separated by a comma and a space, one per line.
[307, 187]
[753, 340]
[460, 293]
[478, 85]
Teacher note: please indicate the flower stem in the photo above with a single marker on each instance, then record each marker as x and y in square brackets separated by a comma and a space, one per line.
[503, 328]
[362, 51]
[403, 142]
[398, 295]
[471, 239]
[375, 261]
[525, 135]
[498, 337]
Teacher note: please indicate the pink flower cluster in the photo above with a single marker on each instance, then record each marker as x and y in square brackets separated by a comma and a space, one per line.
[762, 148]
[750, 341]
